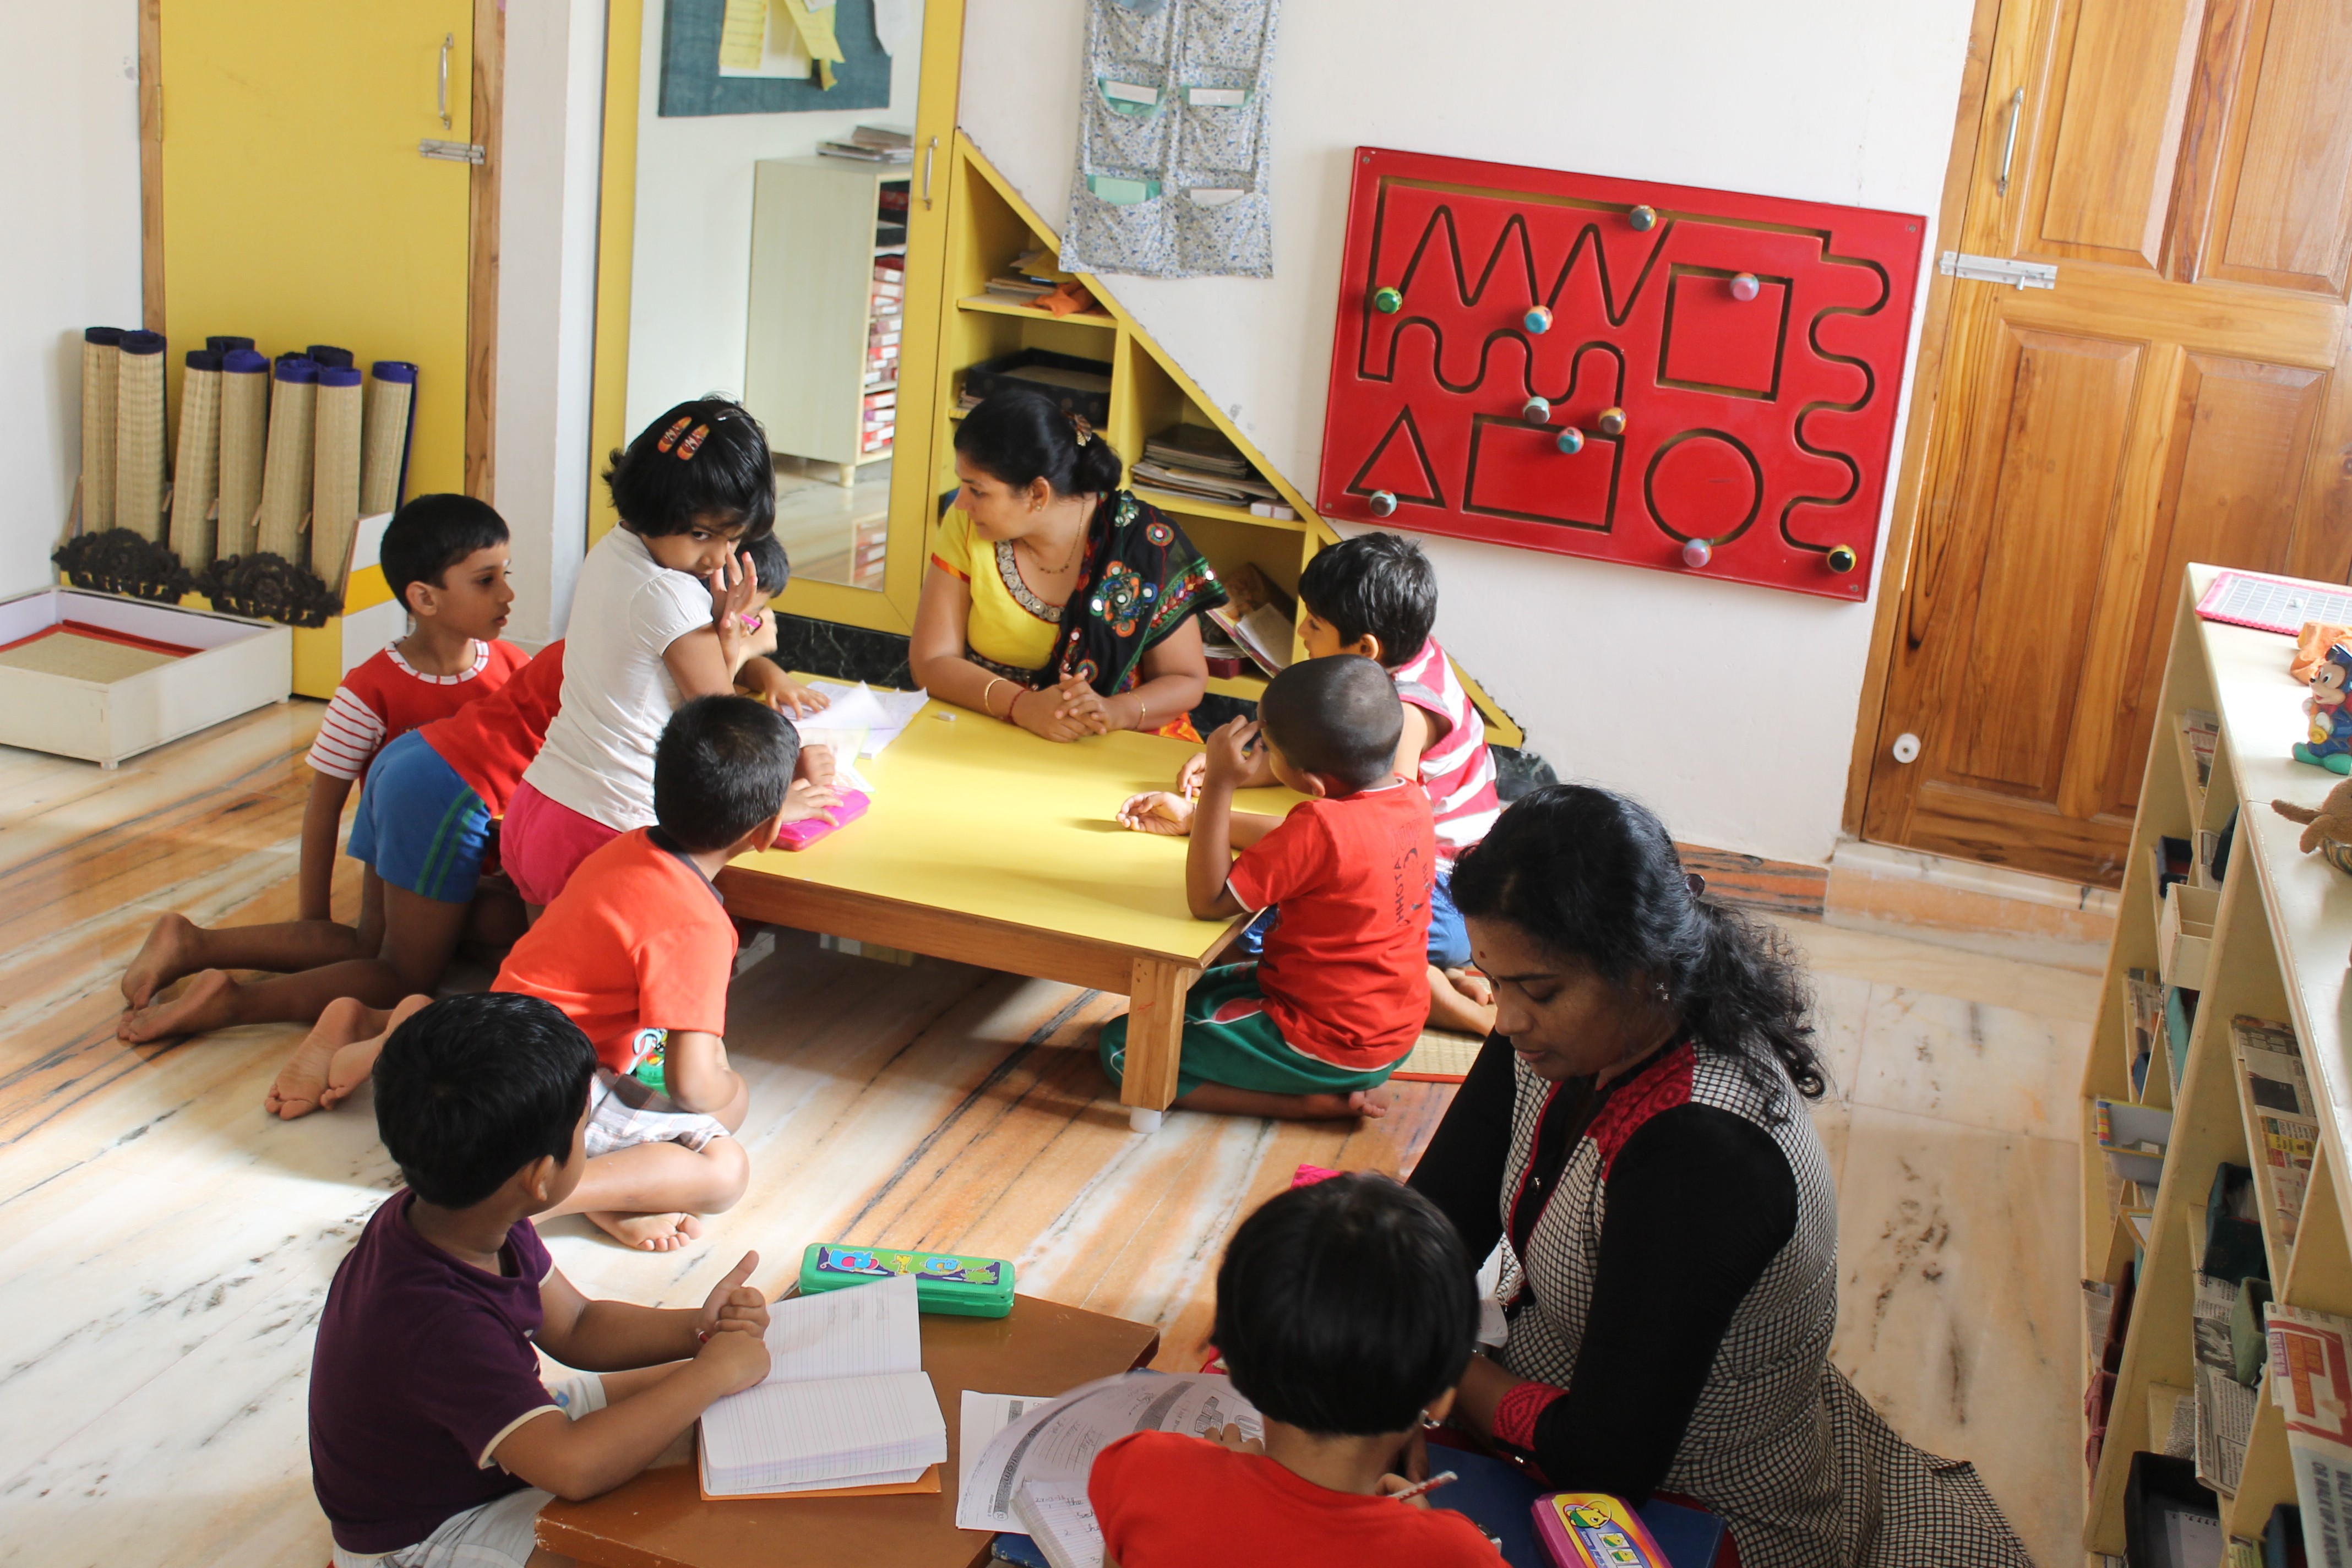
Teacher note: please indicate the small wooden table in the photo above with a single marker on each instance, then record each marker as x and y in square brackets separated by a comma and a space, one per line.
[989, 845]
[660, 1521]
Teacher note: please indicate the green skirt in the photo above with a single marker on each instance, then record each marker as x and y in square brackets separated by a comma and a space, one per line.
[1241, 1049]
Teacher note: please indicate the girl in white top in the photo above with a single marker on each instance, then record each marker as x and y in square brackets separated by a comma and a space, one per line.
[657, 619]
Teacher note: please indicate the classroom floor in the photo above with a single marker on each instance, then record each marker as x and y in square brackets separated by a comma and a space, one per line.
[165, 1247]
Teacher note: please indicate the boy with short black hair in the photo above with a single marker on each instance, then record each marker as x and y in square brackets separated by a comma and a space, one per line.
[445, 557]
[1346, 1315]
[1338, 996]
[1376, 595]
[433, 1439]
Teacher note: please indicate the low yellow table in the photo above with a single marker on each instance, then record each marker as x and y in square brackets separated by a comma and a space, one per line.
[989, 845]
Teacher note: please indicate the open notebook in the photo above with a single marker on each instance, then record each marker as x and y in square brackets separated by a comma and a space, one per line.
[845, 1402]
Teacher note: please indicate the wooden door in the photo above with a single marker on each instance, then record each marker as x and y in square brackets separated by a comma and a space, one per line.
[297, 208]
[2181, 395]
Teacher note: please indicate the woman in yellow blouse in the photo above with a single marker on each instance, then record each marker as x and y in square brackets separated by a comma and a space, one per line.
[1055, 600]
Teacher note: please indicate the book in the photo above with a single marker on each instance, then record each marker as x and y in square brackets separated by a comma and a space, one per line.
[1061, 1521]
[2311, 1385]
[864, 153]
[883, 136]
[846, 1402]
[2279, 1095]
[2225, 1407]
[1263, 634]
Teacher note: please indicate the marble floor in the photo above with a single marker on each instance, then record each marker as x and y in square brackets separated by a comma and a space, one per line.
[165, 1247]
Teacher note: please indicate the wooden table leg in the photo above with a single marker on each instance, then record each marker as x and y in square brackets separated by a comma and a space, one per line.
[1155, 1032]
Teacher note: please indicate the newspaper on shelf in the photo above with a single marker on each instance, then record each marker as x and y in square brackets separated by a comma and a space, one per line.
[2225, 1407]
[2310, 1381]
[2278, 1094]
[1056, 1443]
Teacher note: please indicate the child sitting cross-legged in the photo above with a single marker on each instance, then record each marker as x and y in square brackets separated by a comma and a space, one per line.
[637, 951]
[445, 557]
[1346, 1314]
[1376, 595]
[433, 1441]
[1339, 993]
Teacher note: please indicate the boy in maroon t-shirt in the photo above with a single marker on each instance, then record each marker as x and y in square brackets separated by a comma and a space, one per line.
[1346, 1311]
[1338, 996]
[433, 1437]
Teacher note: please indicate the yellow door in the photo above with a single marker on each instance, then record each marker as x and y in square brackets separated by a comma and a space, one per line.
[296, 207]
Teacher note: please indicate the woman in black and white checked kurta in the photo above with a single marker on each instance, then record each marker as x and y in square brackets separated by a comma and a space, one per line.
[1669, 1222]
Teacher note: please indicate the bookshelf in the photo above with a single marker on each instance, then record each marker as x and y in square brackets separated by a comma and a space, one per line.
[988, 225]
[812, 307]
[2279, 939]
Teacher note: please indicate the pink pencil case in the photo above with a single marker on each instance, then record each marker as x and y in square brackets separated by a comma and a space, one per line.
[801, 834]
[1594, 1530]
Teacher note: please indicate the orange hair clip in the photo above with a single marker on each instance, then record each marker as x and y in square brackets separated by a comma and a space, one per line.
[671, 436]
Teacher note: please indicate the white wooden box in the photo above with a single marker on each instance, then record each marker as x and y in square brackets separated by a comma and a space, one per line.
[2184, 934]
[238, 666]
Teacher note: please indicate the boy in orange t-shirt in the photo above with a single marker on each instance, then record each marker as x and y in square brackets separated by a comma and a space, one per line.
[1346, 1313]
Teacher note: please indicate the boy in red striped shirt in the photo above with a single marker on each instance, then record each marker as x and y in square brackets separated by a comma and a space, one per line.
[1376, 595]
[445, 558]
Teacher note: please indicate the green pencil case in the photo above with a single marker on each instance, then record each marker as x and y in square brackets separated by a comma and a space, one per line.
[944, 1281]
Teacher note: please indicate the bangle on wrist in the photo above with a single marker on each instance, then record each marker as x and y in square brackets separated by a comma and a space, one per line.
[988, 691]
[1142, 713]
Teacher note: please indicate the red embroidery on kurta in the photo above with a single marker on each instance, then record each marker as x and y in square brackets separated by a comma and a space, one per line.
[1661, 1085]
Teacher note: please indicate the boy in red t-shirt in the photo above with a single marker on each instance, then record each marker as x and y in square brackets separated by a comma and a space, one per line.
[1339, 996]
[1346, 1313]
[445, 558]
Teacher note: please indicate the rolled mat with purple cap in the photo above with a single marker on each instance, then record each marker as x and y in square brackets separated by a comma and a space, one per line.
[285, 467]
[139, 434]
[101, 357]
[243, 438]
[196, 481]
[335, 474]
[391, 418]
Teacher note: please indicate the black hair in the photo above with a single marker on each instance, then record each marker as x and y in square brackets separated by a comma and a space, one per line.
[472, 1088]
[1020, 435]
[1375, 583]
[770, 564]
[433, 533]
[1346, 1307]
[720, 769]
[1593, 877]
[705, 461]
[1339, 716]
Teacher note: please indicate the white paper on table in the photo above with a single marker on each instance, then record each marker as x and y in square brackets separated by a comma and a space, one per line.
[1061, 1519]
[864, 1331]
[982, 1417]
[881, 713]
[846, 744]
[1056, 1444]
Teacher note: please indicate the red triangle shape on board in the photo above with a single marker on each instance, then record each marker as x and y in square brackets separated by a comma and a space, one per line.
[1400, 467]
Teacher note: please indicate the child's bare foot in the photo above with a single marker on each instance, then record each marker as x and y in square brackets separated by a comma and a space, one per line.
[302, 1086]
[647, 1232]
[1225, 1100]
[166, 954]
[208, 1003]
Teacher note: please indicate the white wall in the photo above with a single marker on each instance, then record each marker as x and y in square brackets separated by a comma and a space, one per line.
[553, 125]
[1729, 708]
[690, 283]
[70, 112]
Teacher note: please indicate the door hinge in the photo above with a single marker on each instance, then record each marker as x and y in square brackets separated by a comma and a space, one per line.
[1997, 270]
[452, 152]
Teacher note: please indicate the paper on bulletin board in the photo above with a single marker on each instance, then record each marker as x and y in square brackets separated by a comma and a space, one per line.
[758, 40]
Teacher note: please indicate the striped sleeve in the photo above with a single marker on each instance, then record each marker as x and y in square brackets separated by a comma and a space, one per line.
[349, 737]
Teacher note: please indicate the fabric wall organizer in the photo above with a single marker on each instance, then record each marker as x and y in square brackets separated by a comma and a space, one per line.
[1173, 173]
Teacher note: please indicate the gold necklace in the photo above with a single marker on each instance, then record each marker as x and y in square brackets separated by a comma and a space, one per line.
[1077, 547]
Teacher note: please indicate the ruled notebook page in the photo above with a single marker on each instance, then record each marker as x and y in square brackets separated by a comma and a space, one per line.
[858, 1332]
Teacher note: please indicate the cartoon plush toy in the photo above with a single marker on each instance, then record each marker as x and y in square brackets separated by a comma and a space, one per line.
[2329, 829]
[2330, 743]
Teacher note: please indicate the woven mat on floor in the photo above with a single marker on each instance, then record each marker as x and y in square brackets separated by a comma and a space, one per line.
[1439, 1057]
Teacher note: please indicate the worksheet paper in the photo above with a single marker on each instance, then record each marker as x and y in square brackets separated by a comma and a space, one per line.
[882, 714]
[1056, 1444]
[845, 1401]
[1062, 1522]
[982, 1417]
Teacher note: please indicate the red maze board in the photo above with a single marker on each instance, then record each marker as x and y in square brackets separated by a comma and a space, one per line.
[1694, 381]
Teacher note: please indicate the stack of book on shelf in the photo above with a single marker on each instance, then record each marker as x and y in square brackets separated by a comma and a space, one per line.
[1197, 460]
[2144, 993]
[874, 144]
[2279, 1093]
[885, 320]
[891, 215]
[1257, 621]
[2311, 1384]
[1031, 277]
[2202, 732]
[2225, 1406]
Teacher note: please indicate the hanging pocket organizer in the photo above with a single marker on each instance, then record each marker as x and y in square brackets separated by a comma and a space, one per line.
[1172, 177]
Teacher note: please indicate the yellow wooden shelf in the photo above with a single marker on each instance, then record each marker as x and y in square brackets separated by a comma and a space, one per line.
[1249, 685]
[988, 307]
[1192, 505]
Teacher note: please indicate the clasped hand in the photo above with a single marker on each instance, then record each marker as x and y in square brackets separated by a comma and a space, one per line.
[733, 1326]
[1070, 711]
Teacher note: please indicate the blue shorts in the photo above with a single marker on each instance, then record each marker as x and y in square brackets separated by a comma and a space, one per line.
[420, 825]
[1449, 939]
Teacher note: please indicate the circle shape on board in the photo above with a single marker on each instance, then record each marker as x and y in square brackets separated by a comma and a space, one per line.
[1906, 749]
[1388, 301]
[1536, 411]
[1843, 558]
[1643, 217]
[1538, 319]
[1570, 441]
[1611, 422]
[1744, 287]
[1704, 485]
[1697, 552]
[1383, 503]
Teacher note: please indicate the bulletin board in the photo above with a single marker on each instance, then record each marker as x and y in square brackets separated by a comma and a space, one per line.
[1695, 380]
[692, 85]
